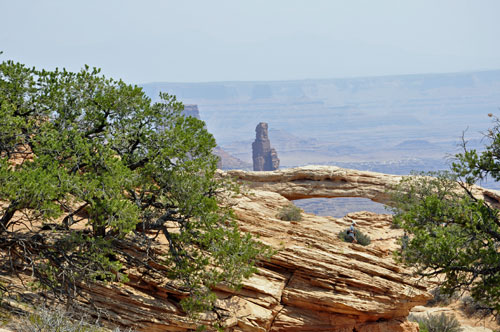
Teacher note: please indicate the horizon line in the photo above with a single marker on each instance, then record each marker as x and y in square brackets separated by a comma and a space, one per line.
[324, 79]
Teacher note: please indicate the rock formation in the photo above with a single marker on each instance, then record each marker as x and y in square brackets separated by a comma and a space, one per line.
[332, 181]
[265, 158]
[315, 282]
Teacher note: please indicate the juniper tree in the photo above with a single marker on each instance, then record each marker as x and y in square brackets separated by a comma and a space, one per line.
[96, 162]
[453, 233]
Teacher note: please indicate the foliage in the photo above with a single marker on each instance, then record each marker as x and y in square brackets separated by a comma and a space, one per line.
[437, 323]
[4, 312]
[361, 238]
[99, 164]
[45, 320]
[440, 298]
[290, 212]
[451, 231]
[395, 226]
[472, 307]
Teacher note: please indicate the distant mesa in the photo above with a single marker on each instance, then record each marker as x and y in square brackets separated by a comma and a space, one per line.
[191, 110]
[262, 91]
[265, 158]
[415, 144]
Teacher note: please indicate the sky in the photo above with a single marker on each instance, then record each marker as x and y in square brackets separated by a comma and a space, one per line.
[252, 40]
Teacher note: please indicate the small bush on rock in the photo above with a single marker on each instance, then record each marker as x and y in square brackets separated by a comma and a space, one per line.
[437, 323]
[290, 212]
[362, 238]
[45, 320]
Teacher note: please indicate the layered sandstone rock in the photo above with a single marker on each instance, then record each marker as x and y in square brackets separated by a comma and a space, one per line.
[331, 285]
[321, 181]
[332, 181]
[265, 158]
[315, 282]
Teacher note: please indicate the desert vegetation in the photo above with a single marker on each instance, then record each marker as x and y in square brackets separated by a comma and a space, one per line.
[47, 320]
[453, 233]
[361, 238]
[440, 298]
[290, 212]
[90, 166]
[437, 323]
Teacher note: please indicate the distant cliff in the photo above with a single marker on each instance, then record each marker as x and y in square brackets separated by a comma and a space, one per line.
[265, 158]
[191, 110]
[227, 161]
[348, 119]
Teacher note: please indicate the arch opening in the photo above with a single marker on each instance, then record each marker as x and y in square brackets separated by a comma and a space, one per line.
[340, 206]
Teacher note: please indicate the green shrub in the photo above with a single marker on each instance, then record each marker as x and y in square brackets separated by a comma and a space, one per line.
[290, 212]
[395, 224]
[437, 323]
[98, 152]
[362, 239]
[472, 307]
[4, 313]
[46, 320]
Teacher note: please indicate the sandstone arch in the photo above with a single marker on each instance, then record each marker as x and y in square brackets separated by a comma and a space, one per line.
[314, 282]
[333, 182]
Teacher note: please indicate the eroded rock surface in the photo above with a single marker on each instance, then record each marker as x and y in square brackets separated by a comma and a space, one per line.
[331, 285]
[332, 181]
[315, 282]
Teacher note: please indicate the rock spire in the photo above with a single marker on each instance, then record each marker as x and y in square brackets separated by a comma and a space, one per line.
[265, 158]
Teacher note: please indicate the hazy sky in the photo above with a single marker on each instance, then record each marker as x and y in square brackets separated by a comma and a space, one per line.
[215, 40]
